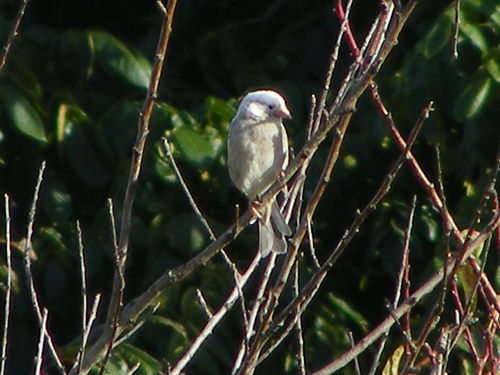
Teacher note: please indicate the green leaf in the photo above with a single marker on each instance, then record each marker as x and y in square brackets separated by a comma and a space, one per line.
[392, 365]
[57, 203]
[116, 58]
[193, 147]
[439, 36]
[493, 63]
[186, 234]
[219, 112]
[53, 239]
[118, 129]
[430, 225]
[68, 114]
[473, 97]
[133, 355]
[349, 311]
[475, 36]
[175, 332]
[81, 153]
[162, 167]
[22, 114]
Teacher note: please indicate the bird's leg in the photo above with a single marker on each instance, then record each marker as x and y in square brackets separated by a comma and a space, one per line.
[254, 207]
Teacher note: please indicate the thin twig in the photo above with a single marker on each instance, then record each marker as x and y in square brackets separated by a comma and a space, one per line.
[416, 296]
[140, 303]
[401, 285]
[201, 217]
[312, 286]
[357, 369]
[203, 303]
[13, 33]
[298, 328]
[259, 300]
[82, 275]
[114, 311]
[187, 192]
[133, 369]
[8, 292]
[212, 323]
[27, 268]
[84, 293]
[86, 333]
[321, 104]
[464, 313]
[39, 358]
[310, 237]
[341, 121]
[137, 325]
[310, 289]
[456, 30]
[139, 147]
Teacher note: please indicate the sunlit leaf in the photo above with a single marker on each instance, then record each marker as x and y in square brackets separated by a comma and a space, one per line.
[354, 315]
[22, 114]
[68, 114]
[493, 63]
[391, 367]
[192, 146]
[473, 97]
[115, 57]
[219, 112]
[439, 35]
[475, 35]
[148, 365]
[53, 238]
[162, 166]
[431, 226]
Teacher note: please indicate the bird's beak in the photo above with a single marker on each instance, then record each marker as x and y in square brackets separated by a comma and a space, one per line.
[284, 113]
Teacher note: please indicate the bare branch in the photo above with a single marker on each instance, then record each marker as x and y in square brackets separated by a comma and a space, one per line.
[187, 193]
[139, 147]
[301, 359]
[214, 321]
[39, 358]
[27, 269]
[13, 33]
[456, 30]
[416, 296]
[8, 291]
[83, 276]
[402, 284]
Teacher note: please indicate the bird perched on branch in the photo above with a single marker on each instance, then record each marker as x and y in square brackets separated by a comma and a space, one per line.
[257, 154]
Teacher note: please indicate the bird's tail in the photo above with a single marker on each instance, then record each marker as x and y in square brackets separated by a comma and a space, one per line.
[272, 231]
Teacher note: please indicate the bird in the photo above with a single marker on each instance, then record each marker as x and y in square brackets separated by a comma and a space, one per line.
[257, 149]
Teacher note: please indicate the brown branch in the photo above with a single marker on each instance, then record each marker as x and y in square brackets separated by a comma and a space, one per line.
[456, 30]
[39, 355]
[311, 288]
[407, 305]
[132, 311]
[401, 288]
[28, 248]
[111, 329]
[8, 292]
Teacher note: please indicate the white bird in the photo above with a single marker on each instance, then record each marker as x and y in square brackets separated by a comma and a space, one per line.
[257, 153]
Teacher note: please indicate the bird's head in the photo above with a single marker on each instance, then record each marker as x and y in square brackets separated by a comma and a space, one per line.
[263, 105]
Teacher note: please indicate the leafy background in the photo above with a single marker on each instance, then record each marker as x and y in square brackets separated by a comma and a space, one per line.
[71, 94]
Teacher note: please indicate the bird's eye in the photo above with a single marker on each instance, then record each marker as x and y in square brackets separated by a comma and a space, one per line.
[270, 106]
